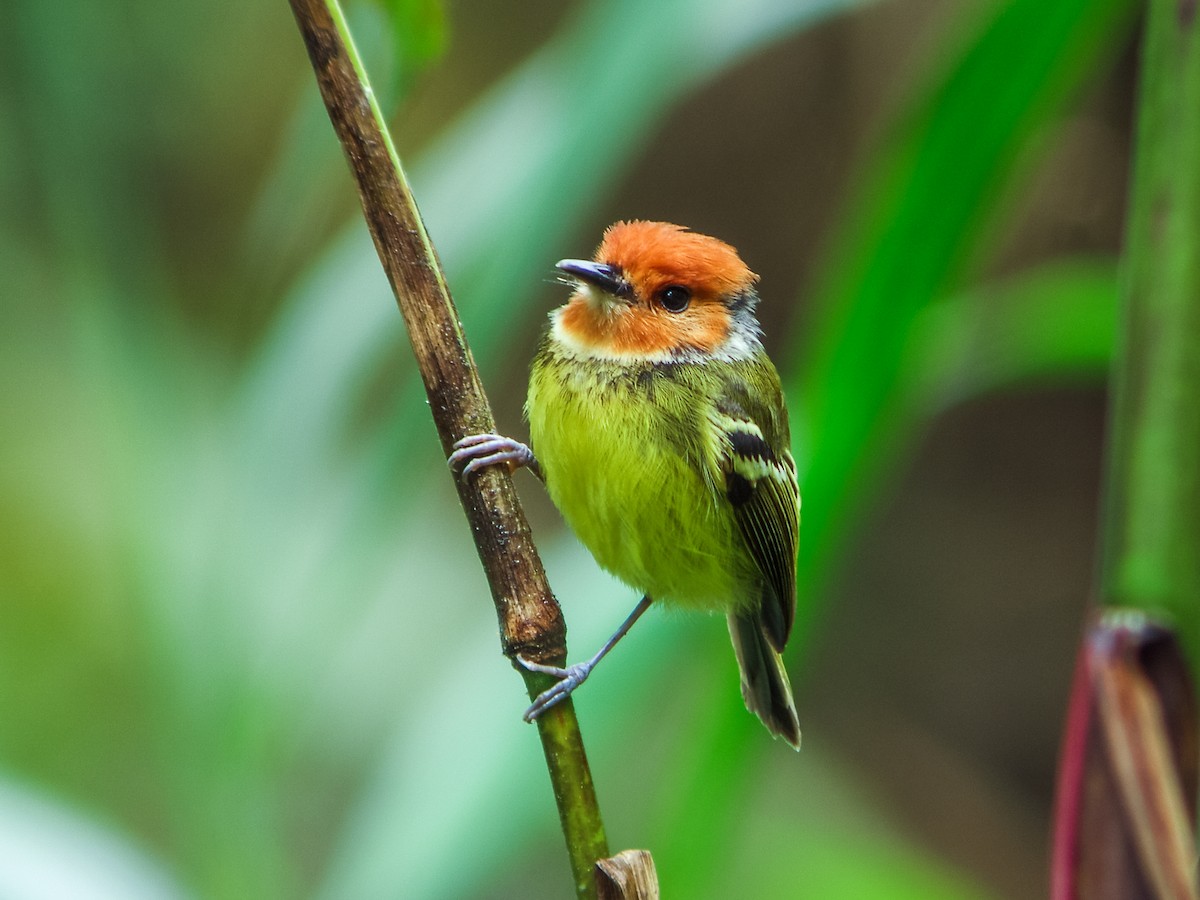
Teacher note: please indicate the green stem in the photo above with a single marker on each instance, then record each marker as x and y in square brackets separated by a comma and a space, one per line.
[531, 623]
[1152, 544]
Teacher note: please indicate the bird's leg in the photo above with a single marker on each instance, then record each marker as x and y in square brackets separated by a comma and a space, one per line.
[573, 676]
[478, 451]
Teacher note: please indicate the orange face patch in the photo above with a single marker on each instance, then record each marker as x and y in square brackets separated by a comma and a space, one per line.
[645, 330]
[652, 256]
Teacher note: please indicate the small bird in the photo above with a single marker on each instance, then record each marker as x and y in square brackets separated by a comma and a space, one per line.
[658, 426]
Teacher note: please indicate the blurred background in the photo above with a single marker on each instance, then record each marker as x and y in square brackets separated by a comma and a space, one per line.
[246, 649]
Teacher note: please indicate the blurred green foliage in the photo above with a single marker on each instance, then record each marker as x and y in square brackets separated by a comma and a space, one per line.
[244, 645]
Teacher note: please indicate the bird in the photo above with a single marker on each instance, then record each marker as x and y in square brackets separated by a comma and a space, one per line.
[658, 425]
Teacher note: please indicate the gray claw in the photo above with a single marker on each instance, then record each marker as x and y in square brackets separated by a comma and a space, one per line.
[568, 679]
[478, 451]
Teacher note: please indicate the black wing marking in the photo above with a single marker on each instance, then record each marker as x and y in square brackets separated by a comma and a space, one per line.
[760, 484]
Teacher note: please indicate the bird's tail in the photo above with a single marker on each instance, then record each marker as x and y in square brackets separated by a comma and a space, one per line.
[765, 686]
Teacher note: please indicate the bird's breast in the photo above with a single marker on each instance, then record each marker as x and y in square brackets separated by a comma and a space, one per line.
[628, 464]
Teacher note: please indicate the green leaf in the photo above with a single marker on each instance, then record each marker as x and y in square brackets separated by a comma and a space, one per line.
[1053, 323]
[915, 231]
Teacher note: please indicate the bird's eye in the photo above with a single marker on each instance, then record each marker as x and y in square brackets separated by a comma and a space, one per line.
[674, 298]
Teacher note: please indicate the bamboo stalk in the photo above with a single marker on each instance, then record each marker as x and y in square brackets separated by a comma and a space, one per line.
[1153, 505]
[531, 622]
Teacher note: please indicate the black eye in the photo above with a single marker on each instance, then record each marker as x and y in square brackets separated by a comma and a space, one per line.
[674, 298]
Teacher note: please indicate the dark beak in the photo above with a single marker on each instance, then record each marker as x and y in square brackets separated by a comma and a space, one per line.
[605, 277]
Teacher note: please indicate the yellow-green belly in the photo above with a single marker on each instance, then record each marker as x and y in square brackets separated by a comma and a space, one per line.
[625, 461]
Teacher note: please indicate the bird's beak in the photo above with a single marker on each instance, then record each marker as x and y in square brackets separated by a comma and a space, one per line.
[605, 277]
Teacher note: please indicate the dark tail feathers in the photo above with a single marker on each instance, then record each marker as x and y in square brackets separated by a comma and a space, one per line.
[765, 686]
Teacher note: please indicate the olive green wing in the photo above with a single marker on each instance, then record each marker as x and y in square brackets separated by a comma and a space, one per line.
[759, 474]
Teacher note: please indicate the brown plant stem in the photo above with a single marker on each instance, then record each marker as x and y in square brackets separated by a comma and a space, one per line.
[531, 622]
[1123, 819]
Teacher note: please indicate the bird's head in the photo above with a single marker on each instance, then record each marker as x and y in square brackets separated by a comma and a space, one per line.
[657, 292]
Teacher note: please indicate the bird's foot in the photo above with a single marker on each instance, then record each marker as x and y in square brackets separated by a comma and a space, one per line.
[478, 451]
[568, 679]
